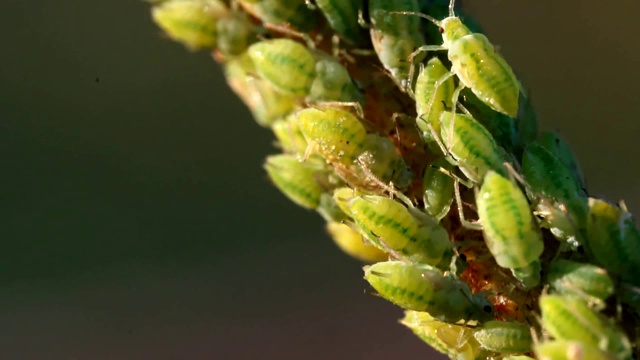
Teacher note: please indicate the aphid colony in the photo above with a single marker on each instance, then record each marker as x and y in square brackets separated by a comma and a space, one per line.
[412, 137]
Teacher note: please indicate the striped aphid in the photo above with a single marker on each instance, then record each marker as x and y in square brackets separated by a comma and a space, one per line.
[207, 24]
[421, 287]
[293, 13]
[476, 64]
[343, 16]
[438, 189]
[569, 350]
[505, 337]
[432, 98]
[586, 281]
[395, 37]
[296, 70]
[555, 144]
[295, 180]
[570, 318]
[404, 233]
[453, 340]
[510, 230]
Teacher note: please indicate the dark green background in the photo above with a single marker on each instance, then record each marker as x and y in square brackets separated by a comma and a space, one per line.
[136, 220]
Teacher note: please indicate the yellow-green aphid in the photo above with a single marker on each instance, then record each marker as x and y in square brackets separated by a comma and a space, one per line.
[554, 190]
[614, 240]
[471, 145]
[501, 126]
[342, 15]
[421, 287]
[395, 36]
[570, 318]
[335, 134]
[438, 193]
[341, 196]
[191, 22]
[504, 337]
[352, 243]
[510, 231]
[403, 232]
[586, 281]
[432, 100]
[477, 65]
[289, 66]
[265, 103]
[296, 180]
[569, 350]
[281, 12]
[552, 141]
[295, 70]
[289, 135]
[453, 340]
[518, 357]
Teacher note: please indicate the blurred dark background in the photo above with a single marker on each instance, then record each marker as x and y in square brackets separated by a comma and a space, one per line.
[136, 220]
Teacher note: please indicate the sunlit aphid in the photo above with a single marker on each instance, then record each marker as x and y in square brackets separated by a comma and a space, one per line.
[296, 70]
[552, 141]
[342, 15]
[555, 192]
[265, 103]
[507, 337]
[510, 231]
[394, 36]
[587, 281]
[470, 144]
[352, 243]
[476, 64]
[402, 232]
[289, 135]
[570, 318]
[456, 341]
[501, 126]
[295, 179]
[421, 287]
[569, 350]
[293, 13]
[432, 98]
[438, 193]
[614, 240]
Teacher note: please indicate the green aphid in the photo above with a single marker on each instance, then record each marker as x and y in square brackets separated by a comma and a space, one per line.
[380, 157]
[296, 70]
[471, 145]
[569, 350]
[552, 141]
[296, 180]
[504, 337]
[510, 231]
[455, 341]
[335, 134]
[439, 188]
[342, 15]
[294, 13]
[402, 232]
[289, 135]
[555, 192]
[586, 281]
[613, 240]
[207, 24]
[394, 36]
[193, 23]
[570, 318]
[501, 126]
[421, 287]
[476, 64]
[431, 98]
[265, 103]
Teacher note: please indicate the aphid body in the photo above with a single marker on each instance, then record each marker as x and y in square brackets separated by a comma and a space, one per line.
[293, 13]
[510, 231]
[296, 180]
[421, 287]
[570, 318]
[439, 187]
[432, 100]
[586, 281]
[342, 15]
[569, 350]
[504, 337]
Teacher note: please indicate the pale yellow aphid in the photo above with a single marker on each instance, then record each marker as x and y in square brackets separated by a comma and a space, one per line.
[351, 242]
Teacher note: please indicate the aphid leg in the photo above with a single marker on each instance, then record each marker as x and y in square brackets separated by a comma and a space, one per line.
[311, 4]
[409, 87]
[311, 147]
[467, 183]
[283, 29]
[454, 99]
[386, 187]
[463, 220]
[362, 21]
[445, 151]
[352, 104]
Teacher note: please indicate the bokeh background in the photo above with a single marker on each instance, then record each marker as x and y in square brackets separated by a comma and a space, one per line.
[136, 220]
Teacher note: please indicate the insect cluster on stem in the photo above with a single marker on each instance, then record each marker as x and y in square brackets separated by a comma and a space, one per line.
[387, 113]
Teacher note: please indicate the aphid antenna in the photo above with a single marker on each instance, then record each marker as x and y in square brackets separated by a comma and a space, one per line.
[418, 14]
[311, 4]
[452, 4]
[468, 224]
